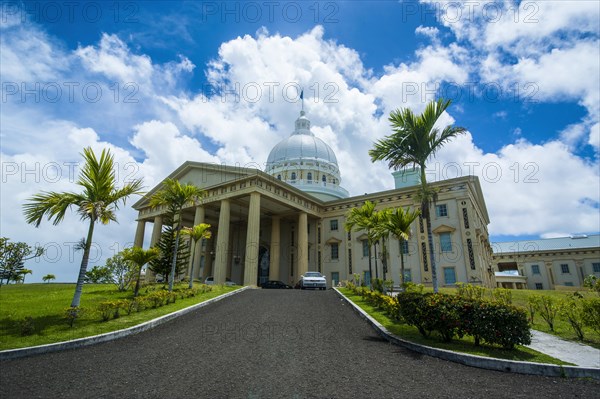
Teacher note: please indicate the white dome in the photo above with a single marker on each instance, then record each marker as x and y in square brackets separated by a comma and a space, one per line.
[306, 162]
[302, 146]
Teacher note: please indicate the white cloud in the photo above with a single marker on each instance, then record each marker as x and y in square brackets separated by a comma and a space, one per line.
[346, 102]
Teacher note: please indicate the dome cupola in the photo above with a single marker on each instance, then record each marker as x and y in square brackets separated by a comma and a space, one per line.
[306, 162]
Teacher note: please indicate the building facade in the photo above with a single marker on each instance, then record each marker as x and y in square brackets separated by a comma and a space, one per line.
[281, 223]
[548, 264]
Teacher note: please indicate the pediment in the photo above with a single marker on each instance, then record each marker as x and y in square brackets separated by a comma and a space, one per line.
[443, 229]
[203, 175]
[333, 240]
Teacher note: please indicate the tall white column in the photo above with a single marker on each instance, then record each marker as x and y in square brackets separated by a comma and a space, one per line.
[275, 248]
[156, 230]
[139, 234]
[220, 267]
[252, 240]
[302, 243]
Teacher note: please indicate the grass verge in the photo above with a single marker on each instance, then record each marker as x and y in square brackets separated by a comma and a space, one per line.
[45, 304]
[463, 345]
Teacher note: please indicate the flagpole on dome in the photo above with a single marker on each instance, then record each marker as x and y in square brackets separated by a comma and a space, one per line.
[302, 98]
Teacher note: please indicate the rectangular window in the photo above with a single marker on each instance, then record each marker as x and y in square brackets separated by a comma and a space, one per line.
[407, 276]
[539, 286]
[349, 261]
[596, 267]
[349, 235]
[441, 210]
[335, 251]
[568, 284]
[319, 235]
[449, 275]
[333, 224]
[404, 247]
[564, 268]
[471, 254]
[319, 261]
[365, 248]
[446, 242]
[535, 269]
[465, 218]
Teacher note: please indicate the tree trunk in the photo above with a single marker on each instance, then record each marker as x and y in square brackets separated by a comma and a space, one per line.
[84, 265]
[431, 251]
[192, 268]
[370, 269]
[173, 265]
[401, 263]
[383, 257]
[137, 283]
[376, 268]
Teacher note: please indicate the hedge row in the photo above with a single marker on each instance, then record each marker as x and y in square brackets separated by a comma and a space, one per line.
[449, 316]
[154, 299]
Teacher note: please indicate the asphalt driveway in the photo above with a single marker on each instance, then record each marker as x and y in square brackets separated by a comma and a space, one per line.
[266, 344]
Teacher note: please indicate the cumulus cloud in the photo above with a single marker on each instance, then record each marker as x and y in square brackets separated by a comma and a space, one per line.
[252, 102]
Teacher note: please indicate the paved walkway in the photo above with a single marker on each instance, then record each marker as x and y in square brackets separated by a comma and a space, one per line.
[266, 344]
[567, 351]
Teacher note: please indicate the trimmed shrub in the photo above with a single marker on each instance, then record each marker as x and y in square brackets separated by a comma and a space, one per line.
[494, 323]
[73, 313]
[449, 315]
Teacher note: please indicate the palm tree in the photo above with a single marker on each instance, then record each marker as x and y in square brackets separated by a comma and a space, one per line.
[397, 223]
[414, 141]
[98, 202]
[196, 234]
[176, 195]
[49, 277]
[364, 218]
[24, 272]
[139, 257]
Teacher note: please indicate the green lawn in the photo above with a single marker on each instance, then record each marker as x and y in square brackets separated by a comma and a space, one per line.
[561, 327]
[464, 345]
[45, 304]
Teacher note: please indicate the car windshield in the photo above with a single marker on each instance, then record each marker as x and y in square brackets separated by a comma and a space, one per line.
[313, 274]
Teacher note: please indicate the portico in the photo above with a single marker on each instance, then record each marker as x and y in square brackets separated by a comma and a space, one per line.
[250, 214]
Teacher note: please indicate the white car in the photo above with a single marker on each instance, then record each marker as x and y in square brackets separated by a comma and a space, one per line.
[211, 281]
[313, 280]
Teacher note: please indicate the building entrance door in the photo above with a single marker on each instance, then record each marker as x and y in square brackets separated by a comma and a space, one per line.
[263, 266]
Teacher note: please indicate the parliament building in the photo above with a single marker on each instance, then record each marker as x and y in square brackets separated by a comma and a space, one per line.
[279, 223]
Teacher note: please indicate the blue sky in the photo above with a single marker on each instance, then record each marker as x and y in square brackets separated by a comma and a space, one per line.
[150, 80]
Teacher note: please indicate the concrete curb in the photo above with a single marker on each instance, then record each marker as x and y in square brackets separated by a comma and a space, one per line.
[109, 336]
[512, 366]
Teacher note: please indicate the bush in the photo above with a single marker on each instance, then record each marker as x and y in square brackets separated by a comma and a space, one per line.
[591, 313]
[450, 315]
[469, 291]
[546, 307]
[494, 323]
[377, 284]
[112, 309]
[502, 295]
[572, 310]
[73, 313]
[26, 326]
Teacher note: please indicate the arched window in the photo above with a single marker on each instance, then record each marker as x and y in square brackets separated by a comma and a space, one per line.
[278, 177]
[309, 176]
[324, 178]
[293, 175]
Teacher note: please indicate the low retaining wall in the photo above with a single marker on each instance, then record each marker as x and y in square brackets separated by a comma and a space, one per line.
[512, 366]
